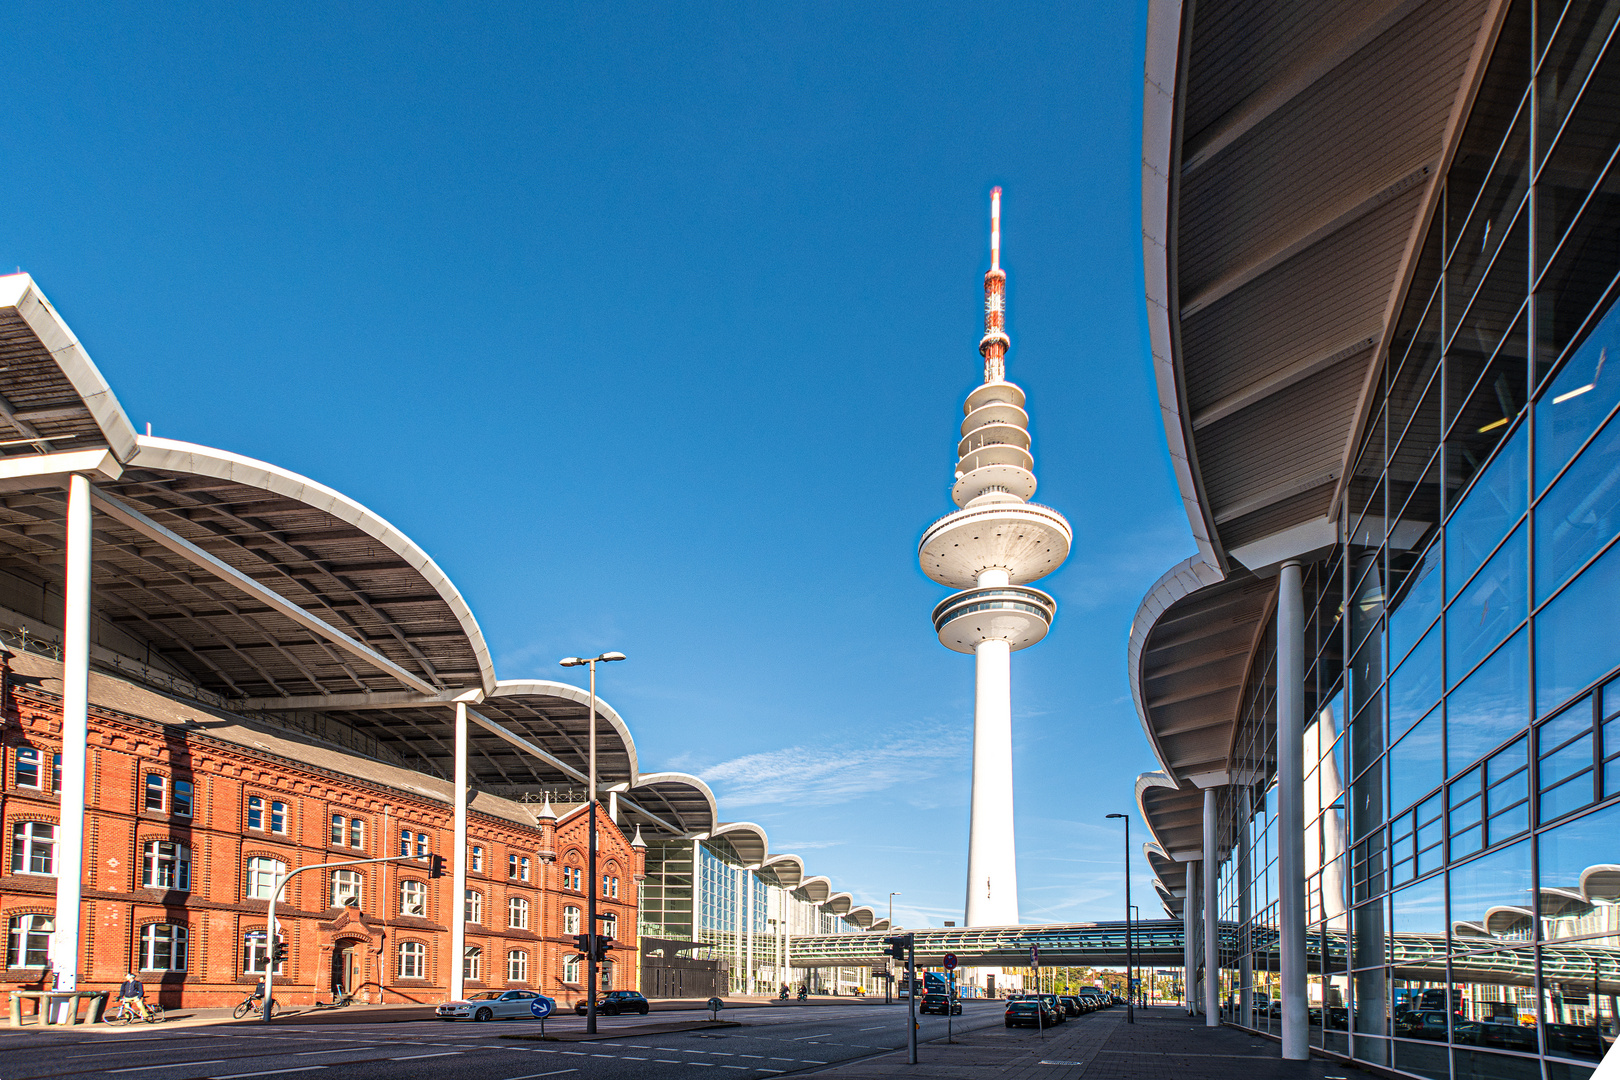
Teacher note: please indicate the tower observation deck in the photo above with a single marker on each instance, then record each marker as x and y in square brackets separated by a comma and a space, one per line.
[990, 549]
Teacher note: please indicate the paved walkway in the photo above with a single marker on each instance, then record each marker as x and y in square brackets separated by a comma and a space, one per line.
[1162, 1043]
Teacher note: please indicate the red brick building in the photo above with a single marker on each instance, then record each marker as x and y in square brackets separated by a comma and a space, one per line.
[190, 812]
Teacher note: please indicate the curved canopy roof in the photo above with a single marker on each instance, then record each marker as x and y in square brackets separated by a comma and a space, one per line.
[746, 838]
[816, 889]
[1292, 157]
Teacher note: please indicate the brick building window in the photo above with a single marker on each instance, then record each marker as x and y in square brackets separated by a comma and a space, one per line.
[33, 848]
[357, 833]
[345, 888]
[27, 770]
[570, 969]
[610, 886]
[517, 966]
[157, 788]
[28, 941]
[474, 912]
[413, 898]
[517, 867]
[570, 920]
[163, 947]
[255, 957]
[412, 960]
[255, 812]
[261, 877]
[278, 817]
[349, 831]
[338, 830]
[610, 926]
[405, 843]
[517, 913]
[472, 963]
[572, 878]
[477, 859]
[165, 865]
[184, 798]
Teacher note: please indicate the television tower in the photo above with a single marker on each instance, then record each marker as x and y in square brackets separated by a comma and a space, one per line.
[990, 548]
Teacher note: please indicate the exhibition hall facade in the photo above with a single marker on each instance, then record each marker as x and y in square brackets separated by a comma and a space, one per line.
[1382, 247]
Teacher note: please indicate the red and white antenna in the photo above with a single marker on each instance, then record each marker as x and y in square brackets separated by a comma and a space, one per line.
[993, 346]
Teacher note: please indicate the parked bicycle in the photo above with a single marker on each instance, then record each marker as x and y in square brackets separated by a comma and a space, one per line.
[127, 1013]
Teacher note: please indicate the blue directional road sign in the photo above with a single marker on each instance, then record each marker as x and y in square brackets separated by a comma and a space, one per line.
[542, 1007]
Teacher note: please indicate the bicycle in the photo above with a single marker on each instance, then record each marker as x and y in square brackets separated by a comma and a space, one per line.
[126, 1013]
[251, 1003]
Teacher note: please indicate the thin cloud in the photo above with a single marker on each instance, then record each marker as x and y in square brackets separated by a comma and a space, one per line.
[802, 775]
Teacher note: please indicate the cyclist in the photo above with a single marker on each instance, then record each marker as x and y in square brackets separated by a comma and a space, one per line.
[133, 995]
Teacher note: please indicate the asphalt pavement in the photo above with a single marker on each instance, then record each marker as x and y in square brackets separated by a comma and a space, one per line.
[770, 1042]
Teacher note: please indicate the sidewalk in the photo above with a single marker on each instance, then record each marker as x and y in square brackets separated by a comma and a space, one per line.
[1164, 1042]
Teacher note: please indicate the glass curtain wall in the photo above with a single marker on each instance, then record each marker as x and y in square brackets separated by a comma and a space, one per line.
[1463, 748]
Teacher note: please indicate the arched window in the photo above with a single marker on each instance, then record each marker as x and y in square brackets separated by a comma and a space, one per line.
[570, 920]
[475, 906]
[33, 848]
[412, 959]
[606, 971]
[28, 944]
[255, 957]
[413, 898]
[165, 865]
[517, 913]
[472, 963]
[570, 969]
[163, 947]
[517, 966]
[610, 926]
[345, 888]
[262, 873]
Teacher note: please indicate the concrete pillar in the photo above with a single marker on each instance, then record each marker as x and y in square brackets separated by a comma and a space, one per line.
[1245, 908]
[1212, 941]
[1291, 809]
[458, 872]
[1189, 938]
[992, 885]
[748, 931]
[64, 951]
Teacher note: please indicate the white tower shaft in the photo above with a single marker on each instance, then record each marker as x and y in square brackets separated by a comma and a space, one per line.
[992, 892]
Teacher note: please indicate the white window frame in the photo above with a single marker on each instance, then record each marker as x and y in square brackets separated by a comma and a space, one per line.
[33, 758]
[256, 885]
[161, 790]
[256, 957]
[29, 934]
[33, 842]
[412, 960]
[255, 812]
[472, 963]
[337, 833]
[517, 913]
[163, 947]
[571, 918]
[166, 869]
[413, 894]
[477, 859]
[570, 969]
[517, 966]
[473, 907]
[188, 800]
[278, 818]
[357, 834]
[347, 885]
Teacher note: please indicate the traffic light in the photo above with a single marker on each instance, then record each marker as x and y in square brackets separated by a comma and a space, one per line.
[435, 866]
[603, 944]
[897, 945]
[582, 942]
[278, 953]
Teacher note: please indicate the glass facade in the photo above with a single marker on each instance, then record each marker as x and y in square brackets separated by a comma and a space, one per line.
[1462, 752]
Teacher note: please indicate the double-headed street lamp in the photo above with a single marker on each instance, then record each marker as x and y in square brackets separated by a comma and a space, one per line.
[1130, 935]
[591, 883]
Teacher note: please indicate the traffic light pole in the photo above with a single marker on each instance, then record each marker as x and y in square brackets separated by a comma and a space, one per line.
[591, 884]
[911, 998]
[436, 862]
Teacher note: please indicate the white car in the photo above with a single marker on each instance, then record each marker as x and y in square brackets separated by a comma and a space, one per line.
[494, 1005]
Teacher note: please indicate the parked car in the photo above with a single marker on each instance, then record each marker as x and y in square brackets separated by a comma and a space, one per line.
[1072, 1005]
[615, 1002]
[1427, 1024]
[1575, 1040]
[492, 1005]
[1500, 1036]
[941, 1002]
[1056, 1006]
[1102, 997]
[1032, 1010]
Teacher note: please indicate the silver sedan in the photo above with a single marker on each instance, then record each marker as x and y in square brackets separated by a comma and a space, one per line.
[494, 1005]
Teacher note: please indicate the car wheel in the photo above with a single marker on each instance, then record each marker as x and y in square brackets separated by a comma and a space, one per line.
[579, 1010]
[1009, 1023]
[483, 1014]
[645, 1008]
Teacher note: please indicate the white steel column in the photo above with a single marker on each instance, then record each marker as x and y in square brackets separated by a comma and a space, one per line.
[1245, 958]
[1291, 809]
[1212, 941]
[458, 875]
[1189, 939]
[748, 918]
[992, 888]
[64, 950]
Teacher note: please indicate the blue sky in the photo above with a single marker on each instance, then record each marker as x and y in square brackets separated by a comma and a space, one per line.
[652, 324]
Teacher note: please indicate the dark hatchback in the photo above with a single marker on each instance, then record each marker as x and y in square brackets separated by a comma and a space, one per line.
[615, 1002]
[938, 1001]
[1031, 1011]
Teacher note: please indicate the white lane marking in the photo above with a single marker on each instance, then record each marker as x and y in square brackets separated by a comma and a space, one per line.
[801, 1038]
[666, 1061]
[531, 1076]
[267, 1072]
[807, 1061]
[342, 1050]
[418, 1057]
[632, 1057]
[171, 1065]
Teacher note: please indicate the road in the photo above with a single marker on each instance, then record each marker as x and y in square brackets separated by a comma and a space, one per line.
[771, 1042]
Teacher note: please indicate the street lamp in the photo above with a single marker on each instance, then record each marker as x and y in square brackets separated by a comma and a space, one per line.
[591, 882]
[1130, 927]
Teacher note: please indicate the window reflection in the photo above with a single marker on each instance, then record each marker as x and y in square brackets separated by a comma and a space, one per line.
[1580, 514]
[1415, 686]
[1492, 605]
[1492, 506]
[1576, 633]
